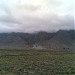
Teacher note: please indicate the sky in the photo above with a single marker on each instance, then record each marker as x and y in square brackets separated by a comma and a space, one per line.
[36, 15]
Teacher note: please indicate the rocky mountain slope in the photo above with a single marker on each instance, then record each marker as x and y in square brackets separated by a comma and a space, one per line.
[57, 40]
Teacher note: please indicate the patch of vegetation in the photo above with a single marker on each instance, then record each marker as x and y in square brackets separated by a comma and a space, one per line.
[36, 62]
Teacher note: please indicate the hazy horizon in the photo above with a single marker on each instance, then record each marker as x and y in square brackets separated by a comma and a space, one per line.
[34, 32]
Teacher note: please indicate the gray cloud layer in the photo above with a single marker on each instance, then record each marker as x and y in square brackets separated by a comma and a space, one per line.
[15, 17]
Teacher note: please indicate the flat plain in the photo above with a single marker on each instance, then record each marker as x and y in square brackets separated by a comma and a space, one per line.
[37, 62]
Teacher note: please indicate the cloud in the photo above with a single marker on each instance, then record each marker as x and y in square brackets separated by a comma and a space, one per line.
[36, 15]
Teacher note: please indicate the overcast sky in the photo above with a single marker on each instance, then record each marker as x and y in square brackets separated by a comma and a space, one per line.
[36, 15]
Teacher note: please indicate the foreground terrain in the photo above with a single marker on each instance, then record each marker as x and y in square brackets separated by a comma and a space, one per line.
[36, 62]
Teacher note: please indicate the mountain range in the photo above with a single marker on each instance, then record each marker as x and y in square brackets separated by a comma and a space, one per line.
[62, 39]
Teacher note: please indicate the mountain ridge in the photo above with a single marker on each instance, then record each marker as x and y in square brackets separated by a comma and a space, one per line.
[41, 40]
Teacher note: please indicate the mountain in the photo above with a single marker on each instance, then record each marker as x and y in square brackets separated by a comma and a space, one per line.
[62, 39]
[11, 40]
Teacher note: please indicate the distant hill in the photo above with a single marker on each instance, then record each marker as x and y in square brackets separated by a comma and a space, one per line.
[62, 39]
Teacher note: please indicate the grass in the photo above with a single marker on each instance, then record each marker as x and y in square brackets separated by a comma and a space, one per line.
[36, 62]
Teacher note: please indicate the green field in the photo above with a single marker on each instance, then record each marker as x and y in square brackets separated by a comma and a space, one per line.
[36, 62]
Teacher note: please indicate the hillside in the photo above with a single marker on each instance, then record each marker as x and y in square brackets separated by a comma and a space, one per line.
[56, 40]
[61, 39]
